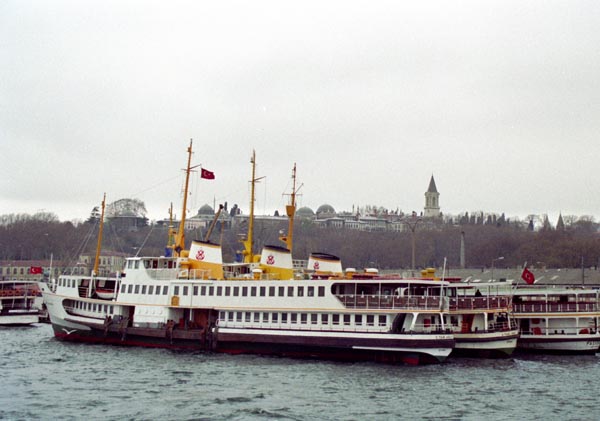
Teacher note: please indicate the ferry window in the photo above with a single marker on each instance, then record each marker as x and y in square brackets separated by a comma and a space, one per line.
[310, 292]
[211, 291]
[137, 289]
[300, 291]
[238, 316]
[143, 289]
[137, 264]
[335, 318]
[157, 290]
[111, 309]
[151, 290]
[195, 289]
[230, 316]
[284, 317]
[321, 291]
[324, 319]
[293, 318]
[186, 290]
[290, 291]
[346, 319]
[274, 317]
[94, 308]
[203, 290]
[130, 289]
[244, 291]
[123, 288]
[382, 320]
[358, 319]
[281, 291]
[247, 316]
[314, 319]
[176, 290]
[256, 317]
[303, 318]
[165, 289]
[263, 291]
[236, 291]
[227, 291]
[271, 291]
[265, 317]
[253, 291]
[219, 291]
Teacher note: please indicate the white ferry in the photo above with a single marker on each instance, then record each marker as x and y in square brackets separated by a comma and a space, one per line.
[557, 319]
[481, 318]
[177, 301]
[18, 303]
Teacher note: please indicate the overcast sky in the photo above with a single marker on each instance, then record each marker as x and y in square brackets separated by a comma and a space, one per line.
[499, 100]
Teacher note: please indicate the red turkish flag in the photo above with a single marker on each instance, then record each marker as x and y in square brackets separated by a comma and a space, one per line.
[209, 175]
[528, 276]
[35, 270]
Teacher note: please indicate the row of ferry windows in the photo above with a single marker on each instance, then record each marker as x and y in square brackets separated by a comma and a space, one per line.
[236, 291]
[303, 318]
[99, 308]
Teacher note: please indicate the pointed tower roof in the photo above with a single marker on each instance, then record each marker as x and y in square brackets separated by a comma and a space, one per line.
[560, 225]
[432, 188]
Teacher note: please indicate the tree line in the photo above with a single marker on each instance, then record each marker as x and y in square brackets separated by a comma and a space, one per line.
[39, 236]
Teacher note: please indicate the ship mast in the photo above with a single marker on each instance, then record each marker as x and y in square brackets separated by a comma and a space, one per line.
[179, 244]
[99, 245]
[248, 242]
[290, 212]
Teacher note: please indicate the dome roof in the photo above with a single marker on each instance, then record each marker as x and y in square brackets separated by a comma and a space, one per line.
[326, 209]
[305, 211]
[206, 210]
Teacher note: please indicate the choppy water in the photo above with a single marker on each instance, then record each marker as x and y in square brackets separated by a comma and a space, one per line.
[43, 378]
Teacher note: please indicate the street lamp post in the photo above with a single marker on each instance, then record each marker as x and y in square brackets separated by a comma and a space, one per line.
[493, 260]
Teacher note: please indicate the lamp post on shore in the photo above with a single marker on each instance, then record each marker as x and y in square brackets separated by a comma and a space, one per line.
[493, 260]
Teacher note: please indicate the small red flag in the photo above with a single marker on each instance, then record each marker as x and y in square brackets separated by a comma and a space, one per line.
[35, 270]
[209, 175]
[528, 276]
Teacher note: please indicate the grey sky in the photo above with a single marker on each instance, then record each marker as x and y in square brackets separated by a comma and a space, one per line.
[500, 100]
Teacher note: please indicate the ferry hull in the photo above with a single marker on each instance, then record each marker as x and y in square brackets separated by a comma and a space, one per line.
[490, 345]
[413, 349]
[19, 319]
[560, 344]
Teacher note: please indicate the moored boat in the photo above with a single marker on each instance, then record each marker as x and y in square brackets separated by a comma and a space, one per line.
[481, 318]
[19, 303]
[182, 301]
[557, 319]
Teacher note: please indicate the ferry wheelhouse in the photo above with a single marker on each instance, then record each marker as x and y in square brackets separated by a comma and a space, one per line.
[184, 301]
[557, 319]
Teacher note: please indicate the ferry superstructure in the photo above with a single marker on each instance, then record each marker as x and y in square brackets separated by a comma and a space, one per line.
[184, 301]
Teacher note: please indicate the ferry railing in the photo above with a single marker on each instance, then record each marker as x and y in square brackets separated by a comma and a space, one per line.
[548, 307]
[392, 302]
[479, 303]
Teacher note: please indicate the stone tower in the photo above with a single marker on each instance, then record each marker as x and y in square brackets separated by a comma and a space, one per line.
[432, 202]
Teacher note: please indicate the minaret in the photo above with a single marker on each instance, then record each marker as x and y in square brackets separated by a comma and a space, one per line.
[432, 203]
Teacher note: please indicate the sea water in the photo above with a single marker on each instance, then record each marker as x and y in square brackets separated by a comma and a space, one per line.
[43, 378]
